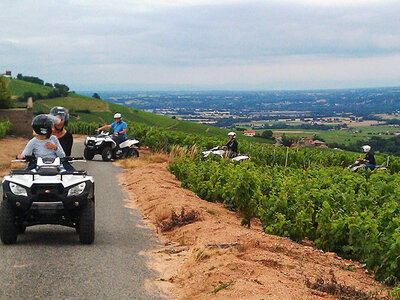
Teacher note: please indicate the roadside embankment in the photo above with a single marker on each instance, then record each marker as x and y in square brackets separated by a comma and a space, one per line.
[9, 148]
[209, 255]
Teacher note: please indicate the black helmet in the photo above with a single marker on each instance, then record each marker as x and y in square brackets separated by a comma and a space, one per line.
[43, 124]
[61, 113]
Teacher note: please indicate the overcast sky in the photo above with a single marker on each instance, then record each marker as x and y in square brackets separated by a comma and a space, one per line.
[203, 44]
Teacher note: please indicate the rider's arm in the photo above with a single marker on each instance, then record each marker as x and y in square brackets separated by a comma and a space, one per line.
[28, 150]
[122, 131]
[104, 127]
[60, 151]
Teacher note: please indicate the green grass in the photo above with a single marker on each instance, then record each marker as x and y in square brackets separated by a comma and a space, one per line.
[19, 87]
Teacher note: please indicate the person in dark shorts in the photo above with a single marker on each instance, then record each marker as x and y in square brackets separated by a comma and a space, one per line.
[231, 146]
[369, 158]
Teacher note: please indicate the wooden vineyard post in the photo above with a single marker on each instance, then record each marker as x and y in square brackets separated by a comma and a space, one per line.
[273, 157]
[287, 155]
[165, 144]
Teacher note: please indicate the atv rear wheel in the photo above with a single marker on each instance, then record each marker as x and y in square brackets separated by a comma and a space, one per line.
[21, 228]
[8, 230]
[86, 223]
[88, 154]
[133, 152]
[106, 154]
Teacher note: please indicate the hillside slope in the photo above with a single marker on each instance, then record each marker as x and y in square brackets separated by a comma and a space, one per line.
[19, 87]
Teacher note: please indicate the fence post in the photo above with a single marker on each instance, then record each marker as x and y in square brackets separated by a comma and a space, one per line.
[287, 154]
[387, 162]
[273, 157]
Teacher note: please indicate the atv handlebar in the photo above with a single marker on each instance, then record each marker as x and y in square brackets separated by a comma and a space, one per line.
[32, 158]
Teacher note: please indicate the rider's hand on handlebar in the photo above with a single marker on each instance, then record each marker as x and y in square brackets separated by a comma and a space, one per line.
[20, 156]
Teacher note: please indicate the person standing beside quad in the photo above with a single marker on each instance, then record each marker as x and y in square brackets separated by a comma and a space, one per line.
[120, 127]
[231, 146]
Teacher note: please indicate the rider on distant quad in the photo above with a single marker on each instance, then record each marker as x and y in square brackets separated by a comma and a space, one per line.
[369, 158]
[232, 145]
[120, 127]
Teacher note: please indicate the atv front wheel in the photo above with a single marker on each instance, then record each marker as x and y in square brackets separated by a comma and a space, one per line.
[86, 223]
[8, 230]
[106, 154]
[88, 154]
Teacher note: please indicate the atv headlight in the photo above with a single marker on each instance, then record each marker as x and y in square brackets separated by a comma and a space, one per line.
[18, 190]
[99, 142]
[77, 189]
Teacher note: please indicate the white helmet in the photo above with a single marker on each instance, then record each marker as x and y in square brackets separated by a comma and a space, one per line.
[117, 116]
[232, 134]
[366, 148]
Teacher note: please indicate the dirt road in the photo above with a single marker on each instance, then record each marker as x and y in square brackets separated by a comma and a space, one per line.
[48, 262]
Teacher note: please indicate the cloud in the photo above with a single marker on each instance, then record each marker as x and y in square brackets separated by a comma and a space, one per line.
[62, 39]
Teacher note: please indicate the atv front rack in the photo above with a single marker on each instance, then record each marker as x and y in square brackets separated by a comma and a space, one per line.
[29, 172]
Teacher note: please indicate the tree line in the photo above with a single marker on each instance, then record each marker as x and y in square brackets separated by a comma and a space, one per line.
[58, 89]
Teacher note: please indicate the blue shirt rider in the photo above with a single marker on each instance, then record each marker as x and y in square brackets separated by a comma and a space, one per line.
[120, 127]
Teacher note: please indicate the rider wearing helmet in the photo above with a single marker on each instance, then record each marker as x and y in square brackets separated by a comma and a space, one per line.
[232, 145]
[120, 127]
[369, 158]
[61, 118]
[44, 145]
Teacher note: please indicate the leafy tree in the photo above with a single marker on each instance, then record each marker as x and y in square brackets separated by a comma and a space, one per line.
[62, 89]
[287, 140]
[20, 77]
[49, 84]
[53, 94]
[97, 96]
[267, 134]
[5, 95]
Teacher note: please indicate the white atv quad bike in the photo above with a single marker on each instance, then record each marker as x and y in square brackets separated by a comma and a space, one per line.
[222, 153]
[104, 145]
[359, 164]
[47, 194]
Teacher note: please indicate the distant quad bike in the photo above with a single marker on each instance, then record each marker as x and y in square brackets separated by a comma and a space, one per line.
[47, 194]
[360, 165]
[222, 153]
[104, 145]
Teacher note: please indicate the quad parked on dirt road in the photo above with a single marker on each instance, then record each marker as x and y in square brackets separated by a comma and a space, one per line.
[104, 145]
[47, 195]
